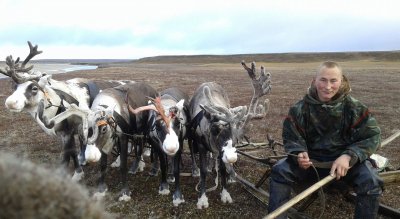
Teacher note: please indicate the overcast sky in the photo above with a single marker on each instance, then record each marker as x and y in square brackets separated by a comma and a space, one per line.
[131, 29]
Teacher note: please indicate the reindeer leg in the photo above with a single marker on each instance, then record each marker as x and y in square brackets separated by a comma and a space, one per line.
[136, 162]
[202, 202]
[78, 168]
[81, 156]
[177, 198]
[164, 187]
[155, 164]
[102, 186]
[69, 152]
[225, 196]
[195, 168]
[125, 193]
[66, 139]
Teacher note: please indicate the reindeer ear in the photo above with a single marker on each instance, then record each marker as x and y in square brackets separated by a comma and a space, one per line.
[44, 80]
[179, 105]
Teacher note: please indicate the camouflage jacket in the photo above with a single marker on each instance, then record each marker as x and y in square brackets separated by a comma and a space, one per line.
[328, 130]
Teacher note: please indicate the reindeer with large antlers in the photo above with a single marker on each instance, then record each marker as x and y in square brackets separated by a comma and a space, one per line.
[43, 97]
[217, 128]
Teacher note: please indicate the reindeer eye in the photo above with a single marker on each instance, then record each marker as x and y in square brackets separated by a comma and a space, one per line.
[35, 89]
[103, 129]
[215, 129]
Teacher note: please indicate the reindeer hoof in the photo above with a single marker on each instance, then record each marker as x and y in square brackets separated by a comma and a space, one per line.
[142, 164]
[99, 195]
[77, 176]
[178, 201]
[164, 189]
[171, 179]
[231, 180]
[226, 197]
[116, 163]
[82, 160]
[177, 198]
[202, 202]
[195, 172]
[153, 172]
[124, 197]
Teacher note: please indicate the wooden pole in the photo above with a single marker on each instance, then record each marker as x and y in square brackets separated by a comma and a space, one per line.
[316, 186]
[391, 138]
[299, 197]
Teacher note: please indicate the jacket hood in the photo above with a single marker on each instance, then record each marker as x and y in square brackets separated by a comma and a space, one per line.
[344, 90]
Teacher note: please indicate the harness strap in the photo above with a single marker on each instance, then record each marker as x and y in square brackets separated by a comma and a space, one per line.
[196, 120]
[322, 165]
[93, 90]
[63, 95]
[122, 123]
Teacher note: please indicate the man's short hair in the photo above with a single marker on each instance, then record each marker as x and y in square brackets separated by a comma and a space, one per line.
[330, 64]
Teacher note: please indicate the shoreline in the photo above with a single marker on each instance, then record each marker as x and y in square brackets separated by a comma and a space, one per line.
[58, 68]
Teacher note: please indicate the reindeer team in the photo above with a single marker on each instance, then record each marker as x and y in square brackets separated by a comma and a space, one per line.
[110, 115]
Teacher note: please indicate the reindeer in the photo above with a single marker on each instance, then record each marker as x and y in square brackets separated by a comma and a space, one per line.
[171, 109]
[41, 96]
[111, 123]
[216, 127]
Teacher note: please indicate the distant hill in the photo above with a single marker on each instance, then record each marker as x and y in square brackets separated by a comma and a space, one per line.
[82, 61]
[237, 58]
[276, 57]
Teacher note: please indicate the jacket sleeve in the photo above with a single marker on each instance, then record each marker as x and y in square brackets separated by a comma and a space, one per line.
[365, 134]
[293, 133]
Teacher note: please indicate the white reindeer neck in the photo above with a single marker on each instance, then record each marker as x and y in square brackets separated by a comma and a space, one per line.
[70, 92]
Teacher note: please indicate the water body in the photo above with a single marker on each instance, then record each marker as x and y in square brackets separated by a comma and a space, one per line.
[55, 68]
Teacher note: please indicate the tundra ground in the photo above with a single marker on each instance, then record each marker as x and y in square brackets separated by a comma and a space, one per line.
[374, 83]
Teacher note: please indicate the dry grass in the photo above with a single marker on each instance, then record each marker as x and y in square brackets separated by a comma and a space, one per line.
[374, 83]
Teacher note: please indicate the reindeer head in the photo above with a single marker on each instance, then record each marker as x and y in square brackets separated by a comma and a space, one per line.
[227, 126]
[25, 96]
[165, 127]
[101, 127]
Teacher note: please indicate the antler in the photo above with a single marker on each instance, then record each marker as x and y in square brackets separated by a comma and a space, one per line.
[157, 106]
[33, 51]
[13, 67]
[261, 87]
[220, 112]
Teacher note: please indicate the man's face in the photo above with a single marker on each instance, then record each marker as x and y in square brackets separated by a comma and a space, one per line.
[328, 82]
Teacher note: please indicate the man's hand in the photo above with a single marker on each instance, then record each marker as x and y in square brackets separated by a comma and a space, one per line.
[341, 166]
[304, 160]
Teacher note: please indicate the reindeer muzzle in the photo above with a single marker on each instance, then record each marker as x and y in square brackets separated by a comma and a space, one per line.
[229, 153]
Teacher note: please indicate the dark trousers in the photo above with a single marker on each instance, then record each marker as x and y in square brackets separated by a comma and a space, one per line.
[363, 177]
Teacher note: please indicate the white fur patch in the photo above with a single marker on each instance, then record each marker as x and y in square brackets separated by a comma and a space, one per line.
[16, 101]
[92, 153]
[230, 154]
[171, 143]
[147, 152]
[225, 196]
[178, 201]
[124, 198]
[141, 166]
[179, 105]
[80, 158]
[116, 163]
[202, 202]
[164, 192]
[77, 176]
[99, 195]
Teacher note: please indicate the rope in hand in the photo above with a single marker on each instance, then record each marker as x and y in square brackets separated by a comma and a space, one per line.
[320, 190]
